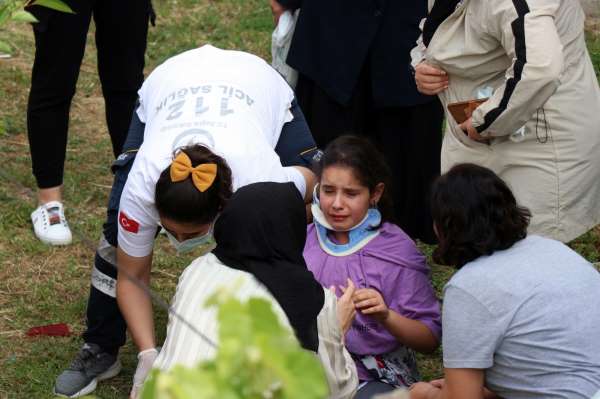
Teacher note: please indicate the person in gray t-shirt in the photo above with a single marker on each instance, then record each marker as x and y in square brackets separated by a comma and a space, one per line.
[521, 318]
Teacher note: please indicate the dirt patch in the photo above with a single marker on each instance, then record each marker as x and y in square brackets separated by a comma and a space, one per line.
[592, 26]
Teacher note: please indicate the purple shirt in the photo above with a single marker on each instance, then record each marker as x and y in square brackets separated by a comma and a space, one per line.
[391, 264]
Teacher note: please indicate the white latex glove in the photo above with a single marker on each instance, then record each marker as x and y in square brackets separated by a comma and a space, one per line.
[145, 361]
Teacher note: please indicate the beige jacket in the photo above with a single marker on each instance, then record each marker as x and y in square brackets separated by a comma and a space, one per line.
[544, 112]
[206, 275]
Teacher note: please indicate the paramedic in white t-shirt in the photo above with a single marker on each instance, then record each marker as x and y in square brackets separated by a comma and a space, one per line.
[233, 115]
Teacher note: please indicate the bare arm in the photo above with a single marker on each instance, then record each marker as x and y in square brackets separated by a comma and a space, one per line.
[411, 333]
[458, 384]
[134, 303]
[487, 394]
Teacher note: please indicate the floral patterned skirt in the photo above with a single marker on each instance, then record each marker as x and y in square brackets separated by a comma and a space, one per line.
[397, 368]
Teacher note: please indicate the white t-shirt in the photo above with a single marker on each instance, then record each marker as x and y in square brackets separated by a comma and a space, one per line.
[230, 101]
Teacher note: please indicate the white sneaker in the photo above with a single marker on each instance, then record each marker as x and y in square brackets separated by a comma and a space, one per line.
[50, 225]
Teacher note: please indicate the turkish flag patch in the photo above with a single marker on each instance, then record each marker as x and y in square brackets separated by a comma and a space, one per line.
[129, 225]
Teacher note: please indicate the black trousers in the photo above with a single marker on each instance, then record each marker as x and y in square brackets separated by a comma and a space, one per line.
[410, 139]
[121, 31]
[105, 323]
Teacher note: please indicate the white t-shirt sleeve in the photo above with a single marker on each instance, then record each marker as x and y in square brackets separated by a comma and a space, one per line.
[141, 109]
[471, 333]
[293, 175]
[281, 102]
[141, 112]
[137, 228]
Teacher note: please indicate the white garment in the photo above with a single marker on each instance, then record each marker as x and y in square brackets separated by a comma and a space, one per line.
[281, 40]
[207, 274]
[230, 101]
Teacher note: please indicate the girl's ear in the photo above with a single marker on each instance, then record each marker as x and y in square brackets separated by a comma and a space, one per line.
[376, 194]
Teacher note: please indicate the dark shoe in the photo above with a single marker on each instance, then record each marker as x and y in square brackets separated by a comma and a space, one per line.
[89, 366]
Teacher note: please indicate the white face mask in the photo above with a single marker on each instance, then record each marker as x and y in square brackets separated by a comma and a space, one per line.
[186, 246]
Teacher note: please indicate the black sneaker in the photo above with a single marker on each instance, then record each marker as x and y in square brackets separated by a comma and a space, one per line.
[89, 366]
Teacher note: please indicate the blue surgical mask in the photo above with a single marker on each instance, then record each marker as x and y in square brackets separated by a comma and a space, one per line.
[186, 246]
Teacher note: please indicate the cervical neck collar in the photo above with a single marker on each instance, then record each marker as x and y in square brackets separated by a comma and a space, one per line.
[358, 236]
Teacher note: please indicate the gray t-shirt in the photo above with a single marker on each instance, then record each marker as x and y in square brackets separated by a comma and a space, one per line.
[529, 316]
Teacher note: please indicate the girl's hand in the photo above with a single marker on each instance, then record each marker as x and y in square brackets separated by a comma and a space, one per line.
[423, 390]
[277, 9]
[345, 307]
[370, 302]
[430, 80]
[439, 383]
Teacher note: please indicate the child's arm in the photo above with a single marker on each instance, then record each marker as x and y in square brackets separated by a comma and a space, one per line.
[412, 333]
[458, 384]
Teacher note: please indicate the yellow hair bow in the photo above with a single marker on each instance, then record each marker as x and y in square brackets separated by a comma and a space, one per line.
[203, 175]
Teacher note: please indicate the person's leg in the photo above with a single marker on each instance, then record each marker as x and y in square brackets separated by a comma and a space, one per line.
[410, 139]
[373, 388]
[121, 34]
[106, 328]
[326, 118]
[105, 324]
[59, 47]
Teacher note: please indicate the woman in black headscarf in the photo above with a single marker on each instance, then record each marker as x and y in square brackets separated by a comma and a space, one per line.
[260, 236]
[263, 232]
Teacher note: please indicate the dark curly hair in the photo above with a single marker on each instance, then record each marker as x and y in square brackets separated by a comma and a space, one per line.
[475, 213]
[182, 201]
[367, 164]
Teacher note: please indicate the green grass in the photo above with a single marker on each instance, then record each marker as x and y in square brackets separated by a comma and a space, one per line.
[42, 285]
[594, 48]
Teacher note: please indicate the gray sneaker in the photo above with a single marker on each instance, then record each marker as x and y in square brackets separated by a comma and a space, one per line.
[89, 366]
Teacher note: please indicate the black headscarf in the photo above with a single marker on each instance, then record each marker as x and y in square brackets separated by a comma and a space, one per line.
[439, 12]
[262, 231]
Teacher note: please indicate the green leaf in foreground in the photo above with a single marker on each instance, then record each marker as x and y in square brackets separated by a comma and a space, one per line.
[53, 4]
[257, 358]
[4, 47]
[23, 16]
